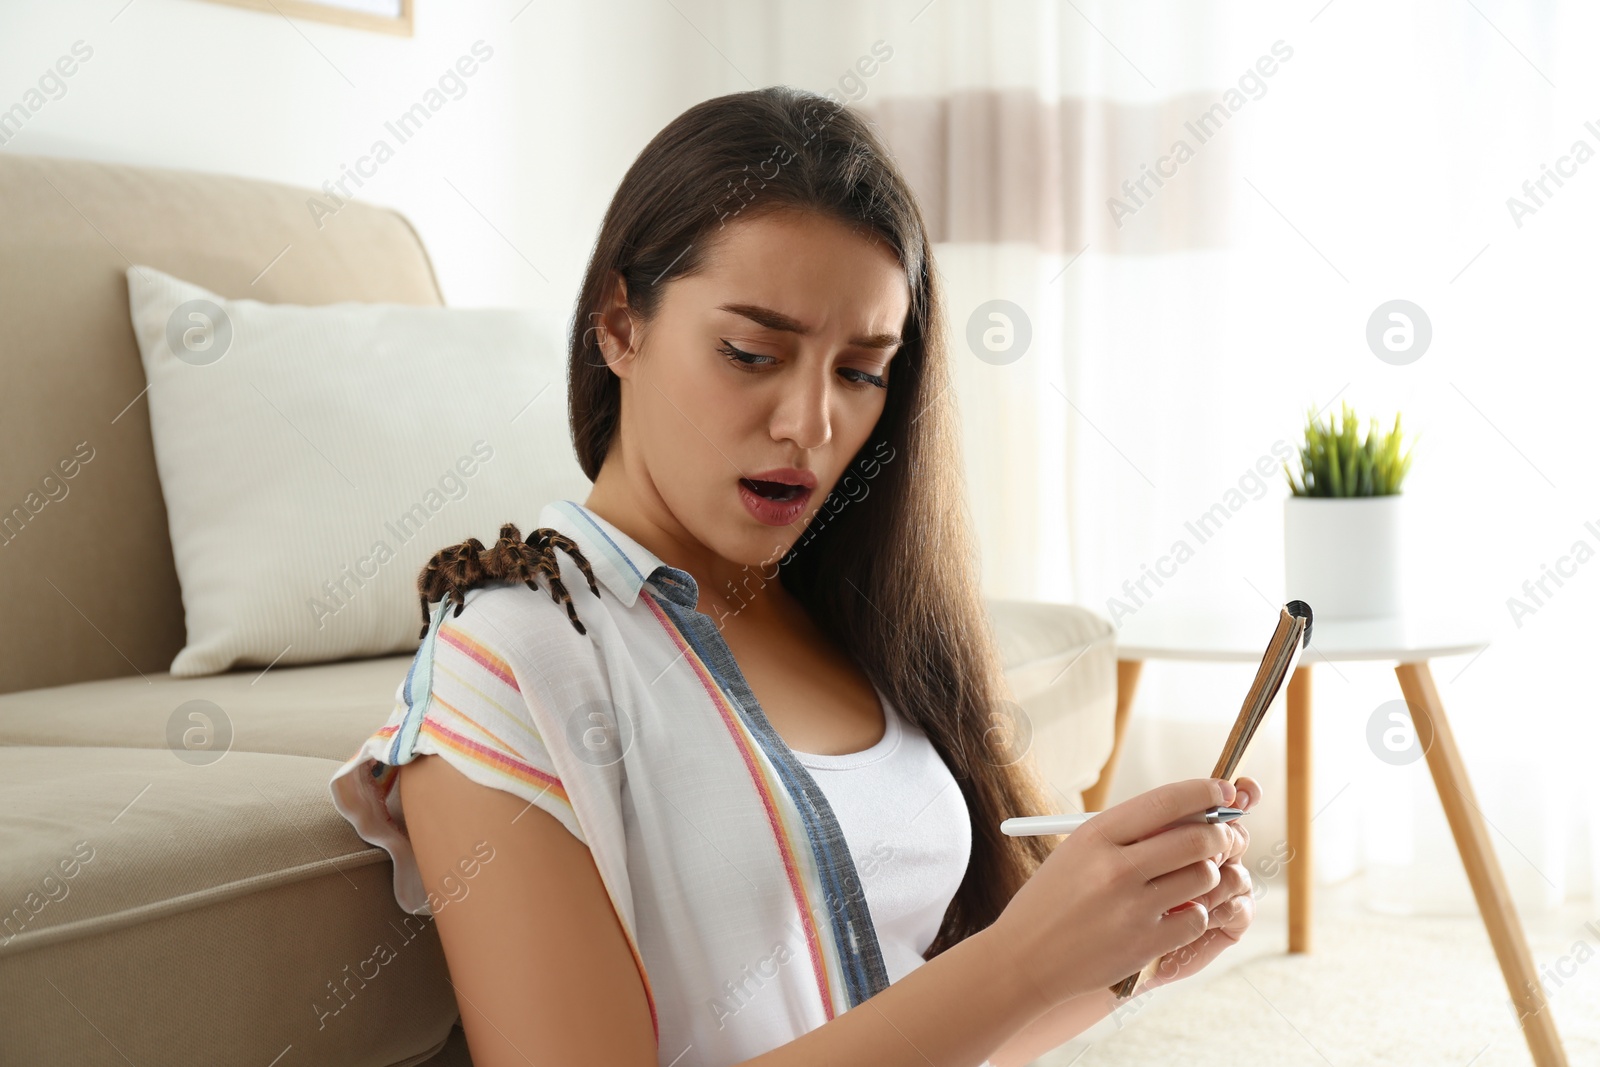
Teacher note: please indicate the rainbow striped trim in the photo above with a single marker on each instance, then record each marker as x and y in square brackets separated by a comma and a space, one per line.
[784, 832]
[402, 738]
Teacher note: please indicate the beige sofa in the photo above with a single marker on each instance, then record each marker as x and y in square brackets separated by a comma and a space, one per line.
[157, 912]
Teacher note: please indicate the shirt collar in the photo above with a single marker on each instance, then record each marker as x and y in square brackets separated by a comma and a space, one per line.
[620, 563]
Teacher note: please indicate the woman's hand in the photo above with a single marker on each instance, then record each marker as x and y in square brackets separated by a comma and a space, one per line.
[1229, 907]
[1118, 892]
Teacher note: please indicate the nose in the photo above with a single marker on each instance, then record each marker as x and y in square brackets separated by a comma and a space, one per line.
[801, 414]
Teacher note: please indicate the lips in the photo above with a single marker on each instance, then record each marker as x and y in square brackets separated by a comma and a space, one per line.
[781, 483]
[779, 496]
[779, 491]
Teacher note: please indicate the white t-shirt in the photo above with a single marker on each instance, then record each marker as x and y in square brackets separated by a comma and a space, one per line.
[892, 801]
[754, 911]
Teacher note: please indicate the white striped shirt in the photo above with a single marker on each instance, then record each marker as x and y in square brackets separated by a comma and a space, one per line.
[729, 871]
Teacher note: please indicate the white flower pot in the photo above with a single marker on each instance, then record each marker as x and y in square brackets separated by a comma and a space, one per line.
[1342, 554]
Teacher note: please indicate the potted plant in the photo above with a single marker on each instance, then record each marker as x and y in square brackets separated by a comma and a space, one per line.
[1342, 523]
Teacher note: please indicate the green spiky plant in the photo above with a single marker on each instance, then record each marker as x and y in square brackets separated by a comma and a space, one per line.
[1334, 463]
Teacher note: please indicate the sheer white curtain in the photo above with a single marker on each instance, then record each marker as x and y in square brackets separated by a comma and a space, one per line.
[1339, 155]
[1015, 122]
[1380, 166]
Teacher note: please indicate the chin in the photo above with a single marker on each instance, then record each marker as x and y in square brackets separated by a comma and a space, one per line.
[764, 549]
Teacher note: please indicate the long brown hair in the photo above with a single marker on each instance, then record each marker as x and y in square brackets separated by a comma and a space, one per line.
[888, 567]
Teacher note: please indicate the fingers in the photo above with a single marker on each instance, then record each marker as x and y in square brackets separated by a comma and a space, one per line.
[1239, 840]
[1139, 817]
[1233, 881]
[1195, 944]
[1235, 918]
[1178, 846]
[1247, 795]
[1231, 917]
[1186, 959]
[1188, 885]
[1182, 926]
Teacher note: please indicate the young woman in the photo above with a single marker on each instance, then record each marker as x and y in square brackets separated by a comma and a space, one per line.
[720, 783]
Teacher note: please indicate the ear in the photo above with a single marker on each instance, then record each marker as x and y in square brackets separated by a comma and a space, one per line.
[614, 329]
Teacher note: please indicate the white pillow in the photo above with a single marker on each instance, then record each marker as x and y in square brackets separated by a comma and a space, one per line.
[314, 458]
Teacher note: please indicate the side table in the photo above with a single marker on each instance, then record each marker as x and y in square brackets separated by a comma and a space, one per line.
[1410, 642]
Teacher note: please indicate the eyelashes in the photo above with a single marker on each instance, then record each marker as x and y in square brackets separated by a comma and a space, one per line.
[746, 361]
[737, 356]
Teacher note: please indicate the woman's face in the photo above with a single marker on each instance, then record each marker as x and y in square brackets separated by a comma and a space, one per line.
[776, 355]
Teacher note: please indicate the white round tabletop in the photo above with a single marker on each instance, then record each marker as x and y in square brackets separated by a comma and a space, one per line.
[1232, 637]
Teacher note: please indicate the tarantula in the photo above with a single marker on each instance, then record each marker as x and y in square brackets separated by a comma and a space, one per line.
[454, 570]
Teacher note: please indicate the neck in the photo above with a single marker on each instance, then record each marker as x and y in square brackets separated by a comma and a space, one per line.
[728, 590]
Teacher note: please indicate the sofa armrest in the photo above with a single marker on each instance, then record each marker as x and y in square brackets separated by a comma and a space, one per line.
[1061, 663]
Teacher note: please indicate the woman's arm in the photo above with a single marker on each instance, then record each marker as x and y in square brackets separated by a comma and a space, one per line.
[954, 1010]
[541, 968]
[543, 974]
[1230, 907]
[1054, 1028]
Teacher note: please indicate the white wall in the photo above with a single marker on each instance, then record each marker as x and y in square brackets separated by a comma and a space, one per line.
[536, 141]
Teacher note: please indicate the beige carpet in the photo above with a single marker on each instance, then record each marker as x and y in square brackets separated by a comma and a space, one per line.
[1376, 989]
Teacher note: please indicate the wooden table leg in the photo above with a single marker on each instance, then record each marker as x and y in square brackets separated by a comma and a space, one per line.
[1483, 869]
[1094, 798]
[1298, 807]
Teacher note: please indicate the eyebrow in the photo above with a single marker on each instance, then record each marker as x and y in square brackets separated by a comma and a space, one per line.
[777, 320]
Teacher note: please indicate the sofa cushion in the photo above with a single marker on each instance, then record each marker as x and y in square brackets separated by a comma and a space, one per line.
[157, 911]
[73, 384]
[322, 711]
[313, 459]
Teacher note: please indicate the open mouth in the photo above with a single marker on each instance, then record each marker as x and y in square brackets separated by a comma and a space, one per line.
[777, 491]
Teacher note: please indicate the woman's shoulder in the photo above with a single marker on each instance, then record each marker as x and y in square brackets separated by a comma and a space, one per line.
[522, 580]
[521, 641]
[532, 623]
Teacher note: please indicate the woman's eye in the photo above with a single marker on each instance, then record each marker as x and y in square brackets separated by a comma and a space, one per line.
[738, 356]
[748, 361]
[867, 379]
